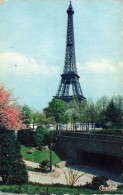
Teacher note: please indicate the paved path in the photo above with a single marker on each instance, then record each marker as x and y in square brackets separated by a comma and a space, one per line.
[58, 175]
[31, 164]
[52, 179]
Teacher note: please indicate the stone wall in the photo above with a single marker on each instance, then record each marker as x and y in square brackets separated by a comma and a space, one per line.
[100, 144]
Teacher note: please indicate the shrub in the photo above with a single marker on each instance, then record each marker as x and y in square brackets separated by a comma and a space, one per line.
[44, 165]
[72, 176]
[36, 138]
[41, 137]
[26, 137]
[98, 181]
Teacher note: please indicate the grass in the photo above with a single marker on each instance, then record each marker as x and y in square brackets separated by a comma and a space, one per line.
[36, 189]
[38, 156]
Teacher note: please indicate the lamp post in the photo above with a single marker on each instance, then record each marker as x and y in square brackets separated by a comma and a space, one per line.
[50, 151]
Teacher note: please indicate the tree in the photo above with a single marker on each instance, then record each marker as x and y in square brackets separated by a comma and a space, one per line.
[112, 115]
[41, 119]
[27, 114]
[57, 109]
[40, 137]
[74, 112]
[118, 101]
[20, 175]
[12, 167]
[91, 112]
[101, 105]
[34, 117]
[83, 112]
[10, 116]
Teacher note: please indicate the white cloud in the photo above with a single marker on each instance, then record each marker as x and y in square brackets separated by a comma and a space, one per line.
[121, 65]
[102, 67]
[15, 63]
[101, 77]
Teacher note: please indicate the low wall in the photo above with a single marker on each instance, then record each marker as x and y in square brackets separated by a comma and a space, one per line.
[100, 144]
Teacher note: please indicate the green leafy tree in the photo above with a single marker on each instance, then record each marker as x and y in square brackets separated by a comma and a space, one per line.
[12, 167]
[91, 112]
[84, 112]
[118, 101]
[75, 111]
[35, 118]
[101, 105]
[88, 113]
[19, 176]
[27, 114]
[57, 109]
[112, 115]
[74, 117]
[40, 137]
[42, 120]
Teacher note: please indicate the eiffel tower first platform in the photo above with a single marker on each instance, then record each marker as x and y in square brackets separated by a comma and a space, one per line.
[69, 87]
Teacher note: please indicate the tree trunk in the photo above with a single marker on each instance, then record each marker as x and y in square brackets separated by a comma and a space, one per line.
[86, 127]
[71, 126]
[46, 190]
[33, 125]
[75, 126]
[56, 126]
[19, 188]
[4, 179]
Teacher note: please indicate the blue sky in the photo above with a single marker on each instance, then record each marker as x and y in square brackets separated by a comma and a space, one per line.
[32, 47]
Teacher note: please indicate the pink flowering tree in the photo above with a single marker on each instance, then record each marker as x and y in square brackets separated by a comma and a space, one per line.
[10, 116]
[12, 166]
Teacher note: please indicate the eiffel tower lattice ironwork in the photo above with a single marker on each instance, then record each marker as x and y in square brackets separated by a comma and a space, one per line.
[70, 78]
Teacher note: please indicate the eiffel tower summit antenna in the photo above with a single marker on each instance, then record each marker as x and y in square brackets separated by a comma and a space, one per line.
[70, 78]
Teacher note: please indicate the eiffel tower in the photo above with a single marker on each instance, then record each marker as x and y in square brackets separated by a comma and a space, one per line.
[70, 78]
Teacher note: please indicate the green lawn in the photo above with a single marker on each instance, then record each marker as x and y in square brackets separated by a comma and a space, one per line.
[39, 156]
[36, 189]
